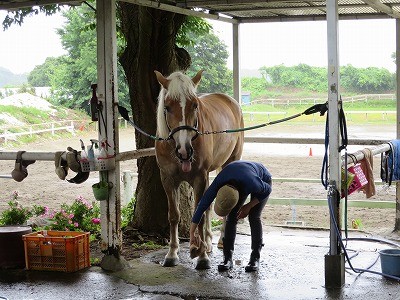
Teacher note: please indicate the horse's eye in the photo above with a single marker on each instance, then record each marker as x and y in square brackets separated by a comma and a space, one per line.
[166, 108]
[195, 106]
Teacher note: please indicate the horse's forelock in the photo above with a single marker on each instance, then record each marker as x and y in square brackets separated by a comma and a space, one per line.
[180, 88]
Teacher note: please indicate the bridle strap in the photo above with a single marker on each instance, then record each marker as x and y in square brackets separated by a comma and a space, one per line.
[184, 127]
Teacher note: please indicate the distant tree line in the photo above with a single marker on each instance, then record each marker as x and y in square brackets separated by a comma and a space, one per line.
[358, 80]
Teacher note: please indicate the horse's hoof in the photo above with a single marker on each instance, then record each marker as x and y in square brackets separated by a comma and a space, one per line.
[170, 262]
[203, 265]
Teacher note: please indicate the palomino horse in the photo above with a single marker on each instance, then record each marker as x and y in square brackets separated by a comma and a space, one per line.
[188, 154]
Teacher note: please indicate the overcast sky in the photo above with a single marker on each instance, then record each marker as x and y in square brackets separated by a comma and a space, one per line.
[362, 43]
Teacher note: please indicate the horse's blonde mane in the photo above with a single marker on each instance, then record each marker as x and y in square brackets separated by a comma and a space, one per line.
[180, 87]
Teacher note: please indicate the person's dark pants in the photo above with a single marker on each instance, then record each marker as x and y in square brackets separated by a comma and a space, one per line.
[254, 220]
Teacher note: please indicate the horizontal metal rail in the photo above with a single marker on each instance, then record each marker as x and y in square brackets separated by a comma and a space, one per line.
[382, 146]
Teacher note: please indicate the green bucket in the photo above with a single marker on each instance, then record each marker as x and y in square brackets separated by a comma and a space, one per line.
[101, 190]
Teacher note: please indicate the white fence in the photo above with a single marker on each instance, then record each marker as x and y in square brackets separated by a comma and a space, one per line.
[312, 101]
[51, 128]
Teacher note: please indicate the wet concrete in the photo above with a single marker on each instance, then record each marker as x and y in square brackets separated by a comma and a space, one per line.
[292, 267]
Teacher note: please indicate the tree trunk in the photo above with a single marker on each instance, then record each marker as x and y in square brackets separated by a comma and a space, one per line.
[150, 45]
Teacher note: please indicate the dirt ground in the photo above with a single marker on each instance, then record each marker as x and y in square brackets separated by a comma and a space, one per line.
[43, 187]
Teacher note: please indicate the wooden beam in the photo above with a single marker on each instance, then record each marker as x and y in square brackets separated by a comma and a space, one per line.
[183, 11]
[379, 6]
[24, 4]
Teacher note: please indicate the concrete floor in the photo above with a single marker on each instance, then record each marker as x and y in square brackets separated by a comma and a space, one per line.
[292, 267]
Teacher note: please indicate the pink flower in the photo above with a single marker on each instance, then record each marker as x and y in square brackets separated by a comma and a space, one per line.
[76, 224]
[96, 221]
[71, 216]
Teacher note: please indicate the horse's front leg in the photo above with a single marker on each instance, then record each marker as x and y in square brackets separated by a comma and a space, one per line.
[222, 233]
[172, 259]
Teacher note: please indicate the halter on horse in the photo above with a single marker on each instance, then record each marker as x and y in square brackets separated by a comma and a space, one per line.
[188, 155]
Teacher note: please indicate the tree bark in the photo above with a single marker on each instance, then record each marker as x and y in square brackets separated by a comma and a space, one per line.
[150, 45]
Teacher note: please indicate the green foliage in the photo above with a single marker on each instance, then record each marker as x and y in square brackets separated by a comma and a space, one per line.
[357, 80]
[26, 88]
[41, 74]
[193, 26]
[16, 214]
[127, 213]
[70, 76]
[150, 245]
[29, 115]
[79, 216]
[300, 76]
[257, 86]
[216, 222]
[208, 53]
[18, 16]
[367, 80]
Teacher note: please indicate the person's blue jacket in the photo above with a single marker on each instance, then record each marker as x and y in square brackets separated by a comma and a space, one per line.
[246, 176]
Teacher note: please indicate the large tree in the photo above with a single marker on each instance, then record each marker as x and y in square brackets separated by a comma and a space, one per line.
[150, 45]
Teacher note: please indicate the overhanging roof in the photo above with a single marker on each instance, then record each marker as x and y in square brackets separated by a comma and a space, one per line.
[247, 11]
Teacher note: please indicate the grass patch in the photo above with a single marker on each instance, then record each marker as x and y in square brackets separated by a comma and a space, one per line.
[377, 111]
[150, 245]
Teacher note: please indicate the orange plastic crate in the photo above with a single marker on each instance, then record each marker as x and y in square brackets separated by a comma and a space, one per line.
[66, 251]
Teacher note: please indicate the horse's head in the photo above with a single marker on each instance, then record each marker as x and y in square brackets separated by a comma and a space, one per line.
[177, 114]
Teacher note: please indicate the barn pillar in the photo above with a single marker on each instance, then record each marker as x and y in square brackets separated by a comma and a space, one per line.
[334, 260]
[397, 221]
[237, 87]
[107, 94]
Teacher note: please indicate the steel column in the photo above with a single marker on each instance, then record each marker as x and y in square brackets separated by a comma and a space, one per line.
[237, 89]
[334, 260]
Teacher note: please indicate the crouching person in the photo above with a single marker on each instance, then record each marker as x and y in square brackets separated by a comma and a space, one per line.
[231, 187]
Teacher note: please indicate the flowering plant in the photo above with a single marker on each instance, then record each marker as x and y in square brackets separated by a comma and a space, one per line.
[79, 216]
[15, 214]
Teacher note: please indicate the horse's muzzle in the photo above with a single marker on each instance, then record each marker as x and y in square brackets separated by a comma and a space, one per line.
[189, 154]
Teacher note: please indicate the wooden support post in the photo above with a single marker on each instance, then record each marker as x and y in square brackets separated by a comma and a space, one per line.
[107, 94]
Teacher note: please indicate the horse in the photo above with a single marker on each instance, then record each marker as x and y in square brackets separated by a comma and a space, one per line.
[188, 151]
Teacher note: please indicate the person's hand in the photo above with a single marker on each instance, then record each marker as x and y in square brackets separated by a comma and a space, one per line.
[244, 211]
[194, 238]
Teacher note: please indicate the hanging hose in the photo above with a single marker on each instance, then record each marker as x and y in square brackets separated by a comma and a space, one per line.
[336, 227]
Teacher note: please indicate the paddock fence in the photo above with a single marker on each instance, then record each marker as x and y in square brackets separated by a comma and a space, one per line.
[311, 101]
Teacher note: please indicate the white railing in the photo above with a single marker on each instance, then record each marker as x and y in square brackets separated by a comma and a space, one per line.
[36, 129]
[305, 101]
[349, 114]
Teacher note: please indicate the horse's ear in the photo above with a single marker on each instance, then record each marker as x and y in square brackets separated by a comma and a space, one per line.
[162, 80]
[196, 79]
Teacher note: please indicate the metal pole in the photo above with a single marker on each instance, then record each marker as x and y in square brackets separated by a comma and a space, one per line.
[237, 94]
[334, 260]
[397, 222]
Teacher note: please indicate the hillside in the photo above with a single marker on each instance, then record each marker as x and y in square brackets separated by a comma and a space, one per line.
[7, 78]
[24, 109]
